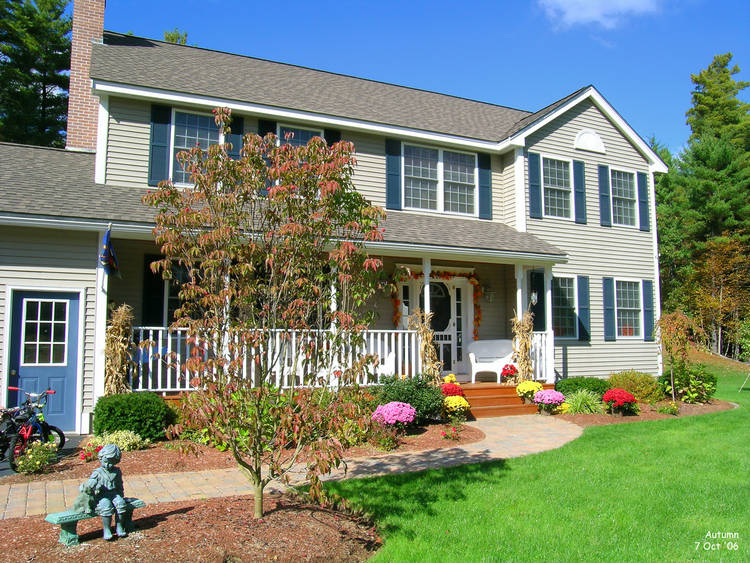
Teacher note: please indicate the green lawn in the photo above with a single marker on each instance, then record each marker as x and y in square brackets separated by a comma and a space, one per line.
[632, 492]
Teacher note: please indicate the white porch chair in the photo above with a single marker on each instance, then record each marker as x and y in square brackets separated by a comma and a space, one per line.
[489, 355]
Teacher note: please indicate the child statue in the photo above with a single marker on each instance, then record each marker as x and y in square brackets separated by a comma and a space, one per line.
[105, 484]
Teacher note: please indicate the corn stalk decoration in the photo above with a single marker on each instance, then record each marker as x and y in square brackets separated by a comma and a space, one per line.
[523, 332]
[118, 351]
[422, 323]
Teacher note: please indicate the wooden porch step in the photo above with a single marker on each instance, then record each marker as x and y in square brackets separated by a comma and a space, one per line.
[502, 410]
[494, 389]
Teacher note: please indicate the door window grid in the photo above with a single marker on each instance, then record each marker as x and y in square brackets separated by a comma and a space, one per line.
[45, 332]
[459, 326]
[628, 308]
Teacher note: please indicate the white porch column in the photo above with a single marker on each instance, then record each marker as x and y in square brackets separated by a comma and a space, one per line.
[519, 290]
[549, 353]
[334, 302]
[100, 333]
[426, 271]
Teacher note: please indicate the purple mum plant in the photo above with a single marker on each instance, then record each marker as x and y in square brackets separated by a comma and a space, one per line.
[395, 413]
[548, 399]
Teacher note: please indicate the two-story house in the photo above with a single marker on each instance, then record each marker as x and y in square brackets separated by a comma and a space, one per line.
[489, 207]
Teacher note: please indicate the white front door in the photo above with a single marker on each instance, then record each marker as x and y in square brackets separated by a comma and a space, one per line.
[449, 302]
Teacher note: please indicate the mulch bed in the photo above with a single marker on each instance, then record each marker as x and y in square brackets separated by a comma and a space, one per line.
[648, 412]
[214, 530]
[165, 457]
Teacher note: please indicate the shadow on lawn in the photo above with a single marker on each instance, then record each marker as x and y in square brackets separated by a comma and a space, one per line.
[391, 495]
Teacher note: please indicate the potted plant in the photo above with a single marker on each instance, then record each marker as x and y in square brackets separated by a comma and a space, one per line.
[509, 372]
[527, 389]
[548, 400]
[620, 402]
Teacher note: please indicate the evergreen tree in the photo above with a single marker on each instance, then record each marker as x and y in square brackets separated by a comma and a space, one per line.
[176, 36]
[34, 60]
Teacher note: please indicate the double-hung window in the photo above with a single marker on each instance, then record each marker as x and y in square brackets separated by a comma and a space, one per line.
[564, 317]
[297, 136]
[191, 129]
[557, 188]
[628, 301]
[624, 199]
[440, 180]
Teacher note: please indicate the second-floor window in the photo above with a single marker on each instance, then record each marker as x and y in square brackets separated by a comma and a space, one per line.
[624, 202]
[439, 180]
[557, 190]
[297, 136]
[191, 129]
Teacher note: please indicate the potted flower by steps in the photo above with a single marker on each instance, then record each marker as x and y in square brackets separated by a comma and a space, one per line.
[548, 400]
[620, 402]
[527, 389]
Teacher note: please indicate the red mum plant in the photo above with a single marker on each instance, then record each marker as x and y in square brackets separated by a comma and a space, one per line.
[452, 390]
[620, 400]
[509, 371]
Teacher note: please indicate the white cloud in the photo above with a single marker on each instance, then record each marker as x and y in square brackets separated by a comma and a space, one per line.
[605, 13]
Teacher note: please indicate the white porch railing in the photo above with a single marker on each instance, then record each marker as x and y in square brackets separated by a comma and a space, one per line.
[159, 363]
[543, 356]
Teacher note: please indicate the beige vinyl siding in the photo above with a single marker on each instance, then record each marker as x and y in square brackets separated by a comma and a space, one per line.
[369, 173]
[51, 259]
[128, 142]
[506, 188]
[593, 250]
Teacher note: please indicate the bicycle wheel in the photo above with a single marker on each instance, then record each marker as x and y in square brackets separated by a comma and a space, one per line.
[56, 435]
[17, 447]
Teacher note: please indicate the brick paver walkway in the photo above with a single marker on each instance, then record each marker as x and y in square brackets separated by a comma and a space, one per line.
[506, 437]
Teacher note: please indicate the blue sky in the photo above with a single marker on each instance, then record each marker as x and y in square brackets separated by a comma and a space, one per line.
[638, 53]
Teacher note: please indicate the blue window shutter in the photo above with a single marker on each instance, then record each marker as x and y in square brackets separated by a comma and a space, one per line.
[535, 186]
[584, 310]
[605, 208]
[161, 130]
[485, 186]
[610, 324]
[579, 185]
[265, 126]
[643, 201]
[648, 310]
[235, 137]
[332, 136]
[536, 280]
[392, 174]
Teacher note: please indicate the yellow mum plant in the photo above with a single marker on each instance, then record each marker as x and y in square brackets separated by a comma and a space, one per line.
[527, 389]
[450, 378]
[455, 406]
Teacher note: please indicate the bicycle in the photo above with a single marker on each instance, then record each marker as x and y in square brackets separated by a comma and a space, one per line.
[32, 427]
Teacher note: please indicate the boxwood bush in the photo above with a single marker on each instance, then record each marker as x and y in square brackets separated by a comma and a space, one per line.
[418, 391]
[643, 386]
[144, 413]
[573, 384]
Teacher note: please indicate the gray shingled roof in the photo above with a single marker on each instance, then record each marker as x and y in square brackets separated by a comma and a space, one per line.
[43, 182]
[154, 64]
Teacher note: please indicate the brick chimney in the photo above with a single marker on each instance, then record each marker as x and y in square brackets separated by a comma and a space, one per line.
[83, 106]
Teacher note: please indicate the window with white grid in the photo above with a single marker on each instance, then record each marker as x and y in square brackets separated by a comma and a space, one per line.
[628, 308]
[557, 192]
[296, 136]
[45, 332]
[190, 130]
[564, 317]
[623, 198]
[458, 182]
[420, 177]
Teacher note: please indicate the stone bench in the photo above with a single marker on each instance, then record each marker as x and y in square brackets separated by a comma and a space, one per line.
[68, 520]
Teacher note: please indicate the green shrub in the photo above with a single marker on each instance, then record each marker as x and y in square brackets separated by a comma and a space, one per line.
[643, 386]
[36, 457]
[144, 413]
[573, 384]
[584, 401]
[418, 391]
[126, 440]
[669, 408]
[693, 384]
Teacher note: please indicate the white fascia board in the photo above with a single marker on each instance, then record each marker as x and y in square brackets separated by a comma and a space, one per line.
[407, 249]
[165, 96]
[140, 231]
[655, 162]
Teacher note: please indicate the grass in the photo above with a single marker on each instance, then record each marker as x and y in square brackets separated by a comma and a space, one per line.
[648, 491]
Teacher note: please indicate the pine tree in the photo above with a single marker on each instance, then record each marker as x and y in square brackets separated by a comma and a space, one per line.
[34, 60]
[176, 36]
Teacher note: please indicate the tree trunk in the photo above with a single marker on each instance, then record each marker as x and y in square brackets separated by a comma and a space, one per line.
[258, 494]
